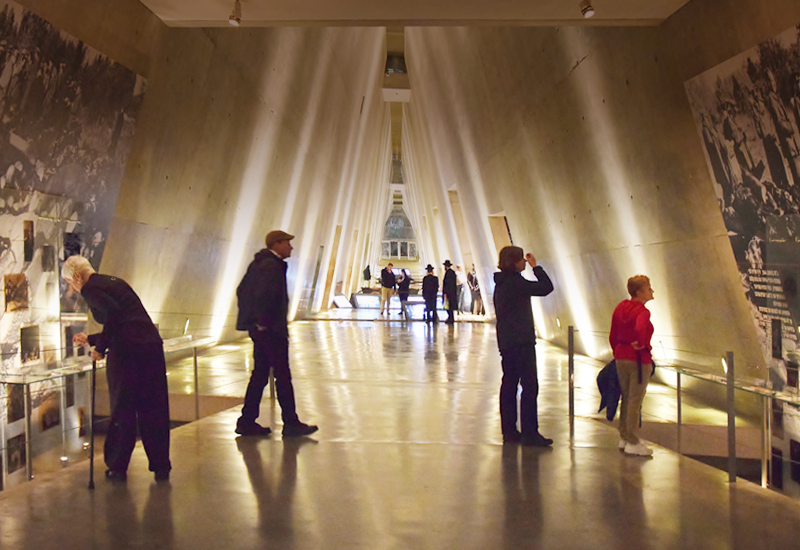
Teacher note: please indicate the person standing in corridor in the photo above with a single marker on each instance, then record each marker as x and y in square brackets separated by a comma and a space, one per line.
[450, 292]
[430, 291]
[135, 368]
[388, 284]
[263, 313]
[516, 338]
[631, 331]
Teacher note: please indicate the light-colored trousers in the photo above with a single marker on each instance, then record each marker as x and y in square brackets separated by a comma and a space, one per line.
[632, 396]
[386, 294]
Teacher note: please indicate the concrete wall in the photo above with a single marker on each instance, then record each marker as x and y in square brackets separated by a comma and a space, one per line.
[242, 131]
[584, 139]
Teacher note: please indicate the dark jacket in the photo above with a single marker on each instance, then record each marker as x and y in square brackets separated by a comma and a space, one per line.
[430, 285]
[450, 283]
[512, 304]
[263, 298]
[388, 280]
[403, 287]
[126, 324]
[610, 392]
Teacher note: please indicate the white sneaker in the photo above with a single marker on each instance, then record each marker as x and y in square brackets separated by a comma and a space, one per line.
[639, 449]
[621, 444]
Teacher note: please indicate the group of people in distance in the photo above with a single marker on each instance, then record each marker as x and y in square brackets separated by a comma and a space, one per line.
[389, 281]
[136, 368]
[430, 290]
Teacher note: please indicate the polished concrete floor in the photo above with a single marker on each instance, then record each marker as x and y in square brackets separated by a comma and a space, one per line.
[408, 456]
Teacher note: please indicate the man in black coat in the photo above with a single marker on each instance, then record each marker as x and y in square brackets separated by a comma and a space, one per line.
[263, 310]
[516, 338]
[430, 288]
[450, 292]
[136, 370]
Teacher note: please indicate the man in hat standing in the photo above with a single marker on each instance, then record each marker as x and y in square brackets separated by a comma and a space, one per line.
[263, 311]
[450, 291]
[430, 288]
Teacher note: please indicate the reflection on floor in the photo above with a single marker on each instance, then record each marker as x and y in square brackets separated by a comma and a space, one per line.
[408, 455]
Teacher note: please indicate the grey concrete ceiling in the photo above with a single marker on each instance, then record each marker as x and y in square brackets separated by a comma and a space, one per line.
[214, 13]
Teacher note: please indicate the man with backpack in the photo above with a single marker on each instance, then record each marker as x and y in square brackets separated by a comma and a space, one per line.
[263, 310]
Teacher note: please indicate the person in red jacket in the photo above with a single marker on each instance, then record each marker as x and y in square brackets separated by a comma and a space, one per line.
[631, 331]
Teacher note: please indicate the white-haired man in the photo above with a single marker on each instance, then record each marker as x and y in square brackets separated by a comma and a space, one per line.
[135, 367]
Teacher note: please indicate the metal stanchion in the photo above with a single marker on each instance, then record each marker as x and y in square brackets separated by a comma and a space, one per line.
[766, 443]
[196, 386]
[91, 425]
[680, 412]
[571, 349]
[731, 421]
[28, 433]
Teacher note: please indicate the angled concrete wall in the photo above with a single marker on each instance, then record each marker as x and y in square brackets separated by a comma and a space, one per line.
[584, 139]
[242, 131]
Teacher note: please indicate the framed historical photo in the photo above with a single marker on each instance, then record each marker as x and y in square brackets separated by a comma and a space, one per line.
[16, 291]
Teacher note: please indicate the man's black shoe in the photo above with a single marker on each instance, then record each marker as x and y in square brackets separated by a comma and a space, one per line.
[116, 475]
[514, 437]
[253, 429]
[536, 441]
[298, 430]
[162, 475]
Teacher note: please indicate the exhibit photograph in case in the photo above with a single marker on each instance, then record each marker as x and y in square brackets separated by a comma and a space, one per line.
[69, 390]
[49, 411]
[29, 344]
[16, 291]
[48, 258]
[16, 402]
[16, 453]
[27, 235]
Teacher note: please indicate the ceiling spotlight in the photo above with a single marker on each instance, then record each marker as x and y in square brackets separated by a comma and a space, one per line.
[586, 9]
[236, 15]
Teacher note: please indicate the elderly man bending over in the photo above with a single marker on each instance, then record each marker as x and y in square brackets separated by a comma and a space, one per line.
[135, 367]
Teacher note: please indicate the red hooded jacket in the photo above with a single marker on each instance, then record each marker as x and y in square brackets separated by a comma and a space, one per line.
[631, 323]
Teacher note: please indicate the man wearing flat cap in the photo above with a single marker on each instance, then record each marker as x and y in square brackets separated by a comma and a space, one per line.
[263, 310]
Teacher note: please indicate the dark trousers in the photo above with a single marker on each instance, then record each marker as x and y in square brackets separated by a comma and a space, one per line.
[430, 308]
[452, 304]
[270, 352]
[137, 385]
[519, 367]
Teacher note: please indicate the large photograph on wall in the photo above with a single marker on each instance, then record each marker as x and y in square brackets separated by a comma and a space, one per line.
[67, 119]
[747, 112]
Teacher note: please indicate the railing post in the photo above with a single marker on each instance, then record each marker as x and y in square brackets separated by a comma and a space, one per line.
[766, 441]
[731, 420]
[571, 362]
[196, 385]
[28, 433]
[680, 411]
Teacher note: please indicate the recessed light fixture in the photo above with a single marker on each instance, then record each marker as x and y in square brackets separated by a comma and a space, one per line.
[236, 15]
[586, 9]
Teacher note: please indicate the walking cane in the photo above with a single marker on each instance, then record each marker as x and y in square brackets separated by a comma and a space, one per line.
[91, 427]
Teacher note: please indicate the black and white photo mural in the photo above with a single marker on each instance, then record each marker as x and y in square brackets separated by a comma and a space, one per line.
[67, 119]
[747, 112]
